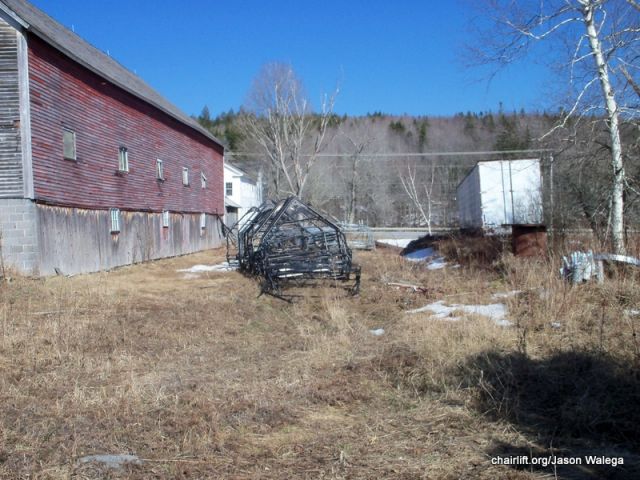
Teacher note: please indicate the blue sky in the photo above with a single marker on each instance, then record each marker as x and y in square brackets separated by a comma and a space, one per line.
[395, 57]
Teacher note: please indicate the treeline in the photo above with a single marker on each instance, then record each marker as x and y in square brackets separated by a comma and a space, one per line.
[363, 172]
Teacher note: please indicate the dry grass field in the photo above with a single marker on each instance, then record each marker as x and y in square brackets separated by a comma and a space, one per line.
[201, 378]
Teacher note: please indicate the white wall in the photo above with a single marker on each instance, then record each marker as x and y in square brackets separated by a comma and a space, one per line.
[245, 192]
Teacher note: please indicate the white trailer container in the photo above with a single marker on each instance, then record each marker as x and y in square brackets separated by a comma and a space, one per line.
[501, 192]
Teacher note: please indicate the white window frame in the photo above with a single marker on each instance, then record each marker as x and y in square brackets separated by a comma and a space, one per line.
[74, 154]
[203, 221]
[228, 186]
[165, 219]
[185, 176]
[159, 169]
[203, 180]
[115, 220]
[123, 159]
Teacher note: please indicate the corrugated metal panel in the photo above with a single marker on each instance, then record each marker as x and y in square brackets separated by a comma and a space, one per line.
[10, 147]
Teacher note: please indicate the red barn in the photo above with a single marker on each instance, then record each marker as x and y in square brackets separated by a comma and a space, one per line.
[96, 168]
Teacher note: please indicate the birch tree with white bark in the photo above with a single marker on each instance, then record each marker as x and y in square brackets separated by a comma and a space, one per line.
[420, 192]
[593, 44]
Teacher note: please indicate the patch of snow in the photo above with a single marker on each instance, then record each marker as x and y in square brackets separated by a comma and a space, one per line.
[439, 310]
[436, 264]
[220, 267]
[396, 242]
[499, 295]
[377, 332]
[420, 255]
[495, 311]
[112, 461]
[428, 255]
[503, 323]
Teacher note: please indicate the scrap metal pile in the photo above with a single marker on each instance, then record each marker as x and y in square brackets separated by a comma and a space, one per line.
[290, 243]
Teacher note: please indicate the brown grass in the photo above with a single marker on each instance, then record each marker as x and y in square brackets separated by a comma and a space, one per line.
[202, 378]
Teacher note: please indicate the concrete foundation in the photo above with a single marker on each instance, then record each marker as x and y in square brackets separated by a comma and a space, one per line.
[38, 239]
[19, 235]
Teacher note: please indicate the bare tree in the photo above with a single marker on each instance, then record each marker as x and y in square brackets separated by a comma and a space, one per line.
[358, 146]
[279, 119]
[601, 39]
[421, 198]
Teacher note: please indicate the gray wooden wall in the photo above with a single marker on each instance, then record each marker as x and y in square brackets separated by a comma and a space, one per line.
[11, 182]
[79, 241]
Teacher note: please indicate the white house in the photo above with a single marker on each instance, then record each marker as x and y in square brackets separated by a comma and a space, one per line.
[241, 192]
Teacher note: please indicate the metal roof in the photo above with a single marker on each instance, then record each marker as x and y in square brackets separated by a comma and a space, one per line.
[37, 22]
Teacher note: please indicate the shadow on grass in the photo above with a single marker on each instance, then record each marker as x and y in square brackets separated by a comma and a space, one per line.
[581, 403]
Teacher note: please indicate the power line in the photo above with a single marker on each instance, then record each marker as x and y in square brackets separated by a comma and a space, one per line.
[405, 154]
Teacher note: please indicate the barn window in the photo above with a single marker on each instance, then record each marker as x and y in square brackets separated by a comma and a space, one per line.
[69, 144]
[165, 219]
[159, 169]
[123, 160]
[228, 189]
[203, 221]
[115, 220]
[203, 180]
[185, 176]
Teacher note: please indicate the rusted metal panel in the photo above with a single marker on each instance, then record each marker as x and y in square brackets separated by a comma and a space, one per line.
[104, 117]
[529, 240]
[11, 175]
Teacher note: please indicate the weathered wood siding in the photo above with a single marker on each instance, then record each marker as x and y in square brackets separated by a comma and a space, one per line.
[104, 118]
[11, 182]
[79, 241]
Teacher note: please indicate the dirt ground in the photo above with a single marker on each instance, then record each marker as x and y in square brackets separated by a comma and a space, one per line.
[200, 377]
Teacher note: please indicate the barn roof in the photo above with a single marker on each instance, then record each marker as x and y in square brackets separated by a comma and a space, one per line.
[40, 24]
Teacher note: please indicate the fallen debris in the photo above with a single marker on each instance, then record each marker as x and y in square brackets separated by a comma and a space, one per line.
[377, 332]
[495, 311]
[581, 267]
[112, 461]
[612, 257]
[415, 288]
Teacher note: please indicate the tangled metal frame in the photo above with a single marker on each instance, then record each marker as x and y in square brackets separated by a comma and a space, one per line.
[289, 243]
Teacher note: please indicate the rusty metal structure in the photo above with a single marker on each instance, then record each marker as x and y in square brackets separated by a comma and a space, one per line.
[289, 243]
